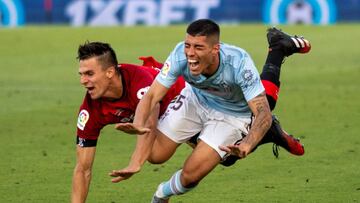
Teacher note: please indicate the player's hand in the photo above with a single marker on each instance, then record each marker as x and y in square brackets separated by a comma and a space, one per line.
[123, 174]
[130, 128]
[241, 150]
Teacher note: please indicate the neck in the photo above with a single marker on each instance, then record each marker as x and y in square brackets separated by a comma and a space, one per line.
[115, 90]
[213, 67]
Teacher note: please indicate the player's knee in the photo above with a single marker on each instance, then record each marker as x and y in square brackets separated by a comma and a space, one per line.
[161, 152]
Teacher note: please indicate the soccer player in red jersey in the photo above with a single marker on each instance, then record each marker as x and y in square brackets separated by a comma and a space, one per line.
[113, 92]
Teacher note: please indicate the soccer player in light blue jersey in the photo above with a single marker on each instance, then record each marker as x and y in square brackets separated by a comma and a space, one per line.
[224, 100]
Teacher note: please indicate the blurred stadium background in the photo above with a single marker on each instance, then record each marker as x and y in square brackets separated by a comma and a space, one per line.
[40, 96]
[165, 12]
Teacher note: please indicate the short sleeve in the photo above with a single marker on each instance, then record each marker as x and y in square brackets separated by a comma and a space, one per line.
[172, 67]
[249, 79]
[88, 126]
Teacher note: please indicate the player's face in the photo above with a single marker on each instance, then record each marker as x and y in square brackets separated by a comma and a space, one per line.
[93, 77]
[202, 55]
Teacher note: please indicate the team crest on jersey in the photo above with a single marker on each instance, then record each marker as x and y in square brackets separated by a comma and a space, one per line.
[165, 69]
[141, 92]
[248, 78]
[82, 119]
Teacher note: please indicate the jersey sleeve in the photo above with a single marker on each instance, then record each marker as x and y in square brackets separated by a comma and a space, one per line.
[249, 79]
[172, 67]
[88, 125]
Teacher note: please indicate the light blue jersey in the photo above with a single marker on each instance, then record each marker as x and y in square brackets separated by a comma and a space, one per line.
[228, 90]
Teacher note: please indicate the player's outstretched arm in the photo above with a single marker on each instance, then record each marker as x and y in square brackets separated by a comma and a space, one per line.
[262, 122]
[82, 173]
[130, 128]
[145, 113]
[142, 150]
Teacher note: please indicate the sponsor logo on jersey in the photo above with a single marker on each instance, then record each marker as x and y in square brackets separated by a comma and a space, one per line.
[82, 119]
[128, 119]
[165, 69]
[119, 112]
[141, 92]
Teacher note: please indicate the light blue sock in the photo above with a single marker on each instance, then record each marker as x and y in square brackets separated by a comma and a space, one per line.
[172, 187]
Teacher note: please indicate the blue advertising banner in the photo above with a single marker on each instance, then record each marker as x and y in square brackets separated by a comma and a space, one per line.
[11, 13]
[165, 12]
[292, 12]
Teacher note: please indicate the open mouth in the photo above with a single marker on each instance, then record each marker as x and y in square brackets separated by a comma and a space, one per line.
[90, 89]
[193, 64]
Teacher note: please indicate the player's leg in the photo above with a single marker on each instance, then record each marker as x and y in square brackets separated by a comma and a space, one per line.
[163, 148]
[201, 162]
[177, 125]
[218, 129]
[281, 45]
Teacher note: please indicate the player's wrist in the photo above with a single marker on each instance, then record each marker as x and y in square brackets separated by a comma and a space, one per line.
[136, 165]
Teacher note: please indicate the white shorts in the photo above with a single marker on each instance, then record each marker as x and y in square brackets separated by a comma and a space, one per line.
[186, 117]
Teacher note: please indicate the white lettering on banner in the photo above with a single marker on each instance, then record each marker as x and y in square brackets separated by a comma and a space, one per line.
[203, 8]
[97, 6]
[140, 11]
[148, 12]
[76, 10]
[107, 16]
[170, 11]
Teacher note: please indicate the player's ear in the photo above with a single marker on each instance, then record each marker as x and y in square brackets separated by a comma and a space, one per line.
[110, 72]
[216, 48]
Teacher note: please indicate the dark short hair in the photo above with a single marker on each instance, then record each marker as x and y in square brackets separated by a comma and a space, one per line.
[103, 51]
[203, 27]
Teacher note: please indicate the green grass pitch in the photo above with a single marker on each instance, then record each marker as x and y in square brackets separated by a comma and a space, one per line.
[40, 95]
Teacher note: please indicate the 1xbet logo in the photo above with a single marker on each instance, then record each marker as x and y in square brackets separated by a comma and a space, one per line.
[147, 12]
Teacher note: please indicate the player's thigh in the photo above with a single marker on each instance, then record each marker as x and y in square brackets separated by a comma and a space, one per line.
[202, 161]
[163, 148]
[183, 118]
[224, 131]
